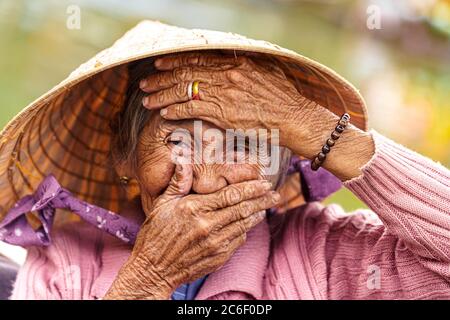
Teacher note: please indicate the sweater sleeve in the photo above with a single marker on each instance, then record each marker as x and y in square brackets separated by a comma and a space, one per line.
[411, 195]
[65, 270]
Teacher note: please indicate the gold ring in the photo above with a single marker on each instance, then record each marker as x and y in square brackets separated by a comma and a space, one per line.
[195, 91]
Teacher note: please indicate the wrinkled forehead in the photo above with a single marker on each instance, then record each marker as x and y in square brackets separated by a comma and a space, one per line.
[158, 125]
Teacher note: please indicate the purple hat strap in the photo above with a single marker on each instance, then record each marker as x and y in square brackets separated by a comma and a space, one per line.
[15, 228]
[316, 185]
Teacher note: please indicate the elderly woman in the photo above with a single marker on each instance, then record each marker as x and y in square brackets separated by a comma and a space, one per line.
[219, 230]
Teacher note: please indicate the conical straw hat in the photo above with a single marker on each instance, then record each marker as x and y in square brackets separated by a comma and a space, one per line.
[66, 132]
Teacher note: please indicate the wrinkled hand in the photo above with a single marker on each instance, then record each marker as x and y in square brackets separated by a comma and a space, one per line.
[243, 93]
[235, 93]
[187, 236]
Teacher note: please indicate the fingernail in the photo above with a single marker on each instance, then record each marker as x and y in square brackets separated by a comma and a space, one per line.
[163, 112]
[267, 185]
[259, 215]
[143, 83]
[275, 196]
[145, 101]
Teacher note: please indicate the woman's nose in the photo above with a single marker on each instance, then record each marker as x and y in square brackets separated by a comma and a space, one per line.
[208, 179]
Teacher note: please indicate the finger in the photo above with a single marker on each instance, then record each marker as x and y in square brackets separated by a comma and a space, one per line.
[192, 109]
[208, 262]
[233, 194]
[167, 79]
[241, 227]
[194, 59]
[176, 94]
[225, 248]
[245, 209]
[181, 182]
[223, 243]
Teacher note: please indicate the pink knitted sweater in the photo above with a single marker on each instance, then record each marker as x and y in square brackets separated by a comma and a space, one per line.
[400, 249]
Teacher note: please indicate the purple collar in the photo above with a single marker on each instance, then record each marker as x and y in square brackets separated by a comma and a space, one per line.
[316, 185]
[49, 195]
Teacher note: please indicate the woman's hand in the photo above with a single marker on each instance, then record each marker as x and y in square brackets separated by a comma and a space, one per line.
[239, 93]
[235, 92]
[188, 236]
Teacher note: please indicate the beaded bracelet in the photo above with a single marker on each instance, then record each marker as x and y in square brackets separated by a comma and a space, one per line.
[322, 155]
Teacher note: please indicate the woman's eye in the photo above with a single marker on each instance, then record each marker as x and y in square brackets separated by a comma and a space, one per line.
[178, 143]
[175, 142]
[179, 137]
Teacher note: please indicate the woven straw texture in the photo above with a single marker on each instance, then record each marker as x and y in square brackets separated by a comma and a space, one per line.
[66, 131]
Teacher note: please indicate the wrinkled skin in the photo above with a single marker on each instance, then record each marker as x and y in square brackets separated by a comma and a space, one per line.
[196, 217]
[239, 93]
[235, 93]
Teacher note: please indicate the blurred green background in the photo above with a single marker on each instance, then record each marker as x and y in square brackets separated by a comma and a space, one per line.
[402, 68]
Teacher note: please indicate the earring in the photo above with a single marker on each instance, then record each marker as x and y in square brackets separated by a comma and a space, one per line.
[124, 180]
